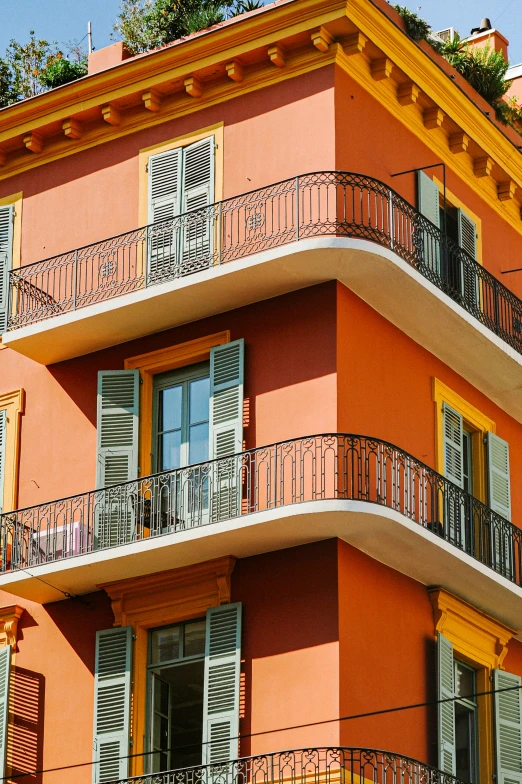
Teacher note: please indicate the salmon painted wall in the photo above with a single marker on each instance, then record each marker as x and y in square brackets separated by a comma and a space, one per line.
[372, 354]
[269, 135]
[386, 657]
[51, 694]
[363, 147]
[290, 386]
[290, 647]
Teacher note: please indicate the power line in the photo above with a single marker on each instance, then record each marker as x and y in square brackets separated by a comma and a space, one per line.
[382, 711]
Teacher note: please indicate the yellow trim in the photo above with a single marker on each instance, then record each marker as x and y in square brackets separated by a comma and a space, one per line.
[454, 201]
[17, 200]
[13, 403]
[217, 131]
[160, 361]
[481, 641]
[159, 600]
[476, 421]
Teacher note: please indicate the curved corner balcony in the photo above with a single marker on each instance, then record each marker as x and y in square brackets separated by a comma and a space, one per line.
[360, 489]
[302, 766]
[296, 233]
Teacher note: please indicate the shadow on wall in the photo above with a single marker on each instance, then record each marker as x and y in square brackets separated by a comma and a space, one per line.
[25, 733]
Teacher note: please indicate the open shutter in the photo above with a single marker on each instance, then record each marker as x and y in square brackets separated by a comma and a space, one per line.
[508, 727]
[453, 447]
[222, 671]
[198, 193]
[446, 710]
[112, 692]
[226, 427]
[5, 672]
[6, 257]
[468, 242]
[428, 204]
[164, 206]
[3, 427]
[499, 498]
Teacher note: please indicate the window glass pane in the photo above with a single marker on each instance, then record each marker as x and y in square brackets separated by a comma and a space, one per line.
[170, 450]
[195, 639]
[186, 712]
[465, 742]
[199, 395]
[198, 443]
[170, 408]
[165, 644]
[464, 681]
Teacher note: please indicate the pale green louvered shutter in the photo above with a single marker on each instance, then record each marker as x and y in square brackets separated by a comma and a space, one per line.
[499, 499]
[165, 173]
[5, 674]
[3, 431]
[226, 427]
[508, 728]
[453, 445]
[222, 673]
[468, 242]
[117, 426]
[6, 258]
[428, 204]
[112, 693]
[198, 193]
[446, 705]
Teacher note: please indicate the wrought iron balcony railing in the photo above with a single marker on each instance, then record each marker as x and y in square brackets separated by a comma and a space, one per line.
[312, 205]
[306, 766]
[314, 468]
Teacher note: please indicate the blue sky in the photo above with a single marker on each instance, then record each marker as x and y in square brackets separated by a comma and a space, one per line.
[65, 20]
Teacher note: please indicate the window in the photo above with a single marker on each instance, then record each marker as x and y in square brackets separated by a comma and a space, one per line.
[176, 685]
[466, 723]
[181, 417]
[6, 259]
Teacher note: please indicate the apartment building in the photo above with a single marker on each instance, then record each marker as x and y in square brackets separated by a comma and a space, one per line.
[260, 413]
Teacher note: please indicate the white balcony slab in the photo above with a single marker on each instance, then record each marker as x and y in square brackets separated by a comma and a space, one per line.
[382, 533]
[380, 277]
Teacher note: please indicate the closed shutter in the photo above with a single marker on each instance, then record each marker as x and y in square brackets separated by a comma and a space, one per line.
[112, 692]
[5, 673]
[117, 457]
[3, 433]
[446, 705]
[226, 427]
[468, 242]
[164, 205]
[6, 258]
[222, 671]
[198, 193]
[428, 204]
[453, 447]
[508, 727]
[499, 499]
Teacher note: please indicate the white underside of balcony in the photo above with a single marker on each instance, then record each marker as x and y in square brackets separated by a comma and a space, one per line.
[387, 283]
[384, 534]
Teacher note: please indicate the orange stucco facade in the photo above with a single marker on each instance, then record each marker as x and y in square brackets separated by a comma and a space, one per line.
[339, 638]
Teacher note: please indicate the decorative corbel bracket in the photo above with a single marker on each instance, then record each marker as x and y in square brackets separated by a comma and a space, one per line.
[9, 617]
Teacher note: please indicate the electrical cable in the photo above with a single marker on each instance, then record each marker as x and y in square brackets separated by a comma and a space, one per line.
[382, 711]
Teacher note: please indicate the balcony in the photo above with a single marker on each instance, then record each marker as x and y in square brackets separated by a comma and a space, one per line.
[313, 228]
[324, 765]
[360, 489]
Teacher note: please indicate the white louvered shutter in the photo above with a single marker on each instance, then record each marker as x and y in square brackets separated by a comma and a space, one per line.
[112, 694]
[6, 258]
[117, 426]
[3, 433]
[5, 674]
[468, 242]
[508, 727]
[453, 447]
[499, 499]
[226, 427]
[222, 674]
[165, 173]
[446, 710]
[428, 204]
[198, 193]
